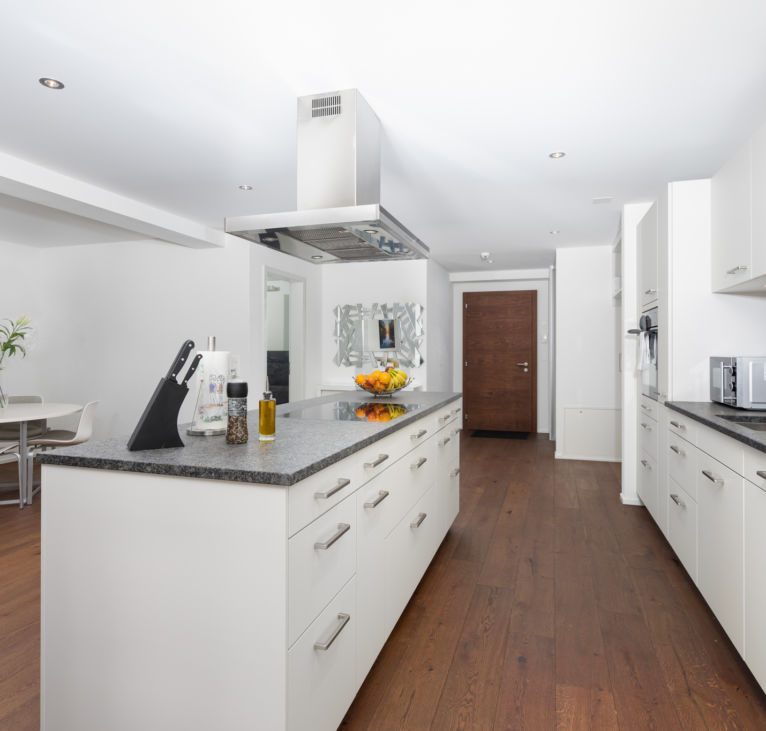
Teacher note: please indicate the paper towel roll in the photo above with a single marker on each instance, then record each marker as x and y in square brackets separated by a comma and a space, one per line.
[210, 411]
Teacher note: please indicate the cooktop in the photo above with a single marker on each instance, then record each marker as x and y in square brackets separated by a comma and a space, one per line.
[352, 411]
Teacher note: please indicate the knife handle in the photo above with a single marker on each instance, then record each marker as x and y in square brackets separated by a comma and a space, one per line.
[192, 368]
[180, 359]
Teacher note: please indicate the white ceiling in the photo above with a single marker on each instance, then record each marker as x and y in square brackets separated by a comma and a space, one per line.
[176, 103]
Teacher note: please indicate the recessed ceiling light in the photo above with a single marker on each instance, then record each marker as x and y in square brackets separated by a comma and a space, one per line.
[555, 232]
[51, 83]
[317, 256]
[557, 155]
[370, 231]
[245, 187]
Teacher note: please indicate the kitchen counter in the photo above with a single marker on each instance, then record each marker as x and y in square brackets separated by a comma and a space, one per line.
[310, 437]
[710, 414]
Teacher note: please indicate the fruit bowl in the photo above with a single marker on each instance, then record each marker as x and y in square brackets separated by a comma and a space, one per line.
[383, 383]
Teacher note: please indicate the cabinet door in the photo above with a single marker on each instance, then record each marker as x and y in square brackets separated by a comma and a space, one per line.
[647, 256]
[731, 222]
[719, 538]
[758, 193]
[647, 483]
[755, 586]
[682, 527]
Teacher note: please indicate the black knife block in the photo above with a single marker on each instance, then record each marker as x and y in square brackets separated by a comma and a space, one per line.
[158, 426]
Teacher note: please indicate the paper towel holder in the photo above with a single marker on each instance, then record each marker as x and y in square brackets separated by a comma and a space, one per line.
[209, 418]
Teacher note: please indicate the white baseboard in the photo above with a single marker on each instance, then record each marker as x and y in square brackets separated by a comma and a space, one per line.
[630, 500]
[588, 458]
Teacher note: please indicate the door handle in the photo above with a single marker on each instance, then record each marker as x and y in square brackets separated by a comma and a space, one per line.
[524, 364]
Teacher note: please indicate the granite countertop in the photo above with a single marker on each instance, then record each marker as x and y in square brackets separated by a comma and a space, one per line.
[306, 443]
[710, 414]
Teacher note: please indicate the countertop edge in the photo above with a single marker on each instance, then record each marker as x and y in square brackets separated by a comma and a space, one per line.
[717, 423]
[284, 479]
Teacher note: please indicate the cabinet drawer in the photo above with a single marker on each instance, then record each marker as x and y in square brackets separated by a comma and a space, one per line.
[755, 586]
[310, 498]
[410, 548]
[648, 407]
[682, 527]
[453, 412]
[648, 436]
[721, 447]
[720, 531]
[321, 559]
[452, 495]
[321, 682]
[755, 466]
[682, 463]
[409, 479]
[648, 482]
[682, 425]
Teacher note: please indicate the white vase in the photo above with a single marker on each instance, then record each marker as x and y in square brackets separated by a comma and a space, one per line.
[3, 397]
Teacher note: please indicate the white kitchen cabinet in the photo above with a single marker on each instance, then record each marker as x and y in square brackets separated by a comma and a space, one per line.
[758, 202]
[261, 606]
[754, 580]
[682, 526]
[720, 554]
[647, 240]
[731, 223]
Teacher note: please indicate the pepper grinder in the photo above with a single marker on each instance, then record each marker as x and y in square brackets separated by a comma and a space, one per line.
[236, 428]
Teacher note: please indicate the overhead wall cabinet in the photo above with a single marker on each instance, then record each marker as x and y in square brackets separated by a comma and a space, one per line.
[738, 262]
[648, 241]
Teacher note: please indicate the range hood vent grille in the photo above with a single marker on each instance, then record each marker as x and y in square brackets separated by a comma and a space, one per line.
[327, 106]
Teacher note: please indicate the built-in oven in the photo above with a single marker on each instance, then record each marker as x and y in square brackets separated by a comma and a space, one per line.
[649, 326]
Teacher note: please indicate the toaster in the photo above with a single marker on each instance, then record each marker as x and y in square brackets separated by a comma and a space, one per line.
[739, 381]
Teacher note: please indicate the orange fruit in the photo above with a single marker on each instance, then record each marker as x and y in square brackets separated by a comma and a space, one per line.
[385, 379]
[361, 379]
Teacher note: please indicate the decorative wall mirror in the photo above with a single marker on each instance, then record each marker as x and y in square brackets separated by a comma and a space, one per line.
[370, 335]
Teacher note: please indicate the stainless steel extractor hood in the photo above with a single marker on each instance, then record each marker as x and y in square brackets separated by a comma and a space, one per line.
[339, 216]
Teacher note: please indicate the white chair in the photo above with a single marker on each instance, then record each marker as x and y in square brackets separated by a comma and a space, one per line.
[62, 437]
[9, 440]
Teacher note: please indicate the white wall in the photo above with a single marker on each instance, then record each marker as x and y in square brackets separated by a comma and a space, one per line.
[702, 323]
[505, 282]
[587, 387]
[278, 315]
[368, 283]
[438, 327]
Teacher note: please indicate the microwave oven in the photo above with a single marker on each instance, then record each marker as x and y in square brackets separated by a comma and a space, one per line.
[738, 381]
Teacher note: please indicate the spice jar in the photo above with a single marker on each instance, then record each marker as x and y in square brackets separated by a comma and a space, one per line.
[236, 427]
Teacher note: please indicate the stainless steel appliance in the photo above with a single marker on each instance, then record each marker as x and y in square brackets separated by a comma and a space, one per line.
[738, 381]
[339, 216]
[649, 326]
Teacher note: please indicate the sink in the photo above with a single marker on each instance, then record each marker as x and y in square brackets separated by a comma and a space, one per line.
[757, 423]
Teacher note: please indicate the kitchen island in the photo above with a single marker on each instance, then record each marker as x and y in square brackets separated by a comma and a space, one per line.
[240, 586]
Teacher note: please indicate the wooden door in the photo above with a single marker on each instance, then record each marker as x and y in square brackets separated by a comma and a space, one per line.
[500, 360]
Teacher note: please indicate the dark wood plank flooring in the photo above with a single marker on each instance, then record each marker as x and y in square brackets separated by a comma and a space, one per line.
[549, 605]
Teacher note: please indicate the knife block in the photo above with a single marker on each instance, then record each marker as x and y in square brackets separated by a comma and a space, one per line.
[158, 426]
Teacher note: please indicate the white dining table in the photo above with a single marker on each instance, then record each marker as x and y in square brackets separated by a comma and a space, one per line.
[23, 413]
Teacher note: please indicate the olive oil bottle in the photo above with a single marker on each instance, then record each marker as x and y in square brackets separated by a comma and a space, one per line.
[267, 416]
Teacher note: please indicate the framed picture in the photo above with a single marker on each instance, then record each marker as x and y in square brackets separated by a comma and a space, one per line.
[387, 334]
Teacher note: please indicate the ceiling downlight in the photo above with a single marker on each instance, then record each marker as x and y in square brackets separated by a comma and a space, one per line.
[50, 83]
[557, 155]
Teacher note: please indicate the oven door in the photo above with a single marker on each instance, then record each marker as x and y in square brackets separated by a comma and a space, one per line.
[650, 327]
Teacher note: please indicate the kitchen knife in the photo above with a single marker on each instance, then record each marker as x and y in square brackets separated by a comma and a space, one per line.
[192, 367]
[180, 359]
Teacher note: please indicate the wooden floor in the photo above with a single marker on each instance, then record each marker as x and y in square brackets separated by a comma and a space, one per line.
[549, 605]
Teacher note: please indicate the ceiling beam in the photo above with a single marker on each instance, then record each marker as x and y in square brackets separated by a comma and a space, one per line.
[22, 179]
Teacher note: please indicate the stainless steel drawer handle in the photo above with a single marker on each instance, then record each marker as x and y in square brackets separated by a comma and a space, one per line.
[342, 622]
[679, 452]
[677, 500]
[740, 268]
[645, 407]
[382, 495]
[650, 291]
[761, 474]
[444, 442]
[456, 411]
[417, 465]
[380, 460]
[416, 523]
[712, 477]
[646, 464]
[646, 426]
[677, 425]
[457, 431]
[421, 433]
[445, 418]
[342, 482]
[455, 472]
[324, 545]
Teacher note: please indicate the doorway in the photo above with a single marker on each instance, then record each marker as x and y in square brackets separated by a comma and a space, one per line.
[500, 361]
[284, 336]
